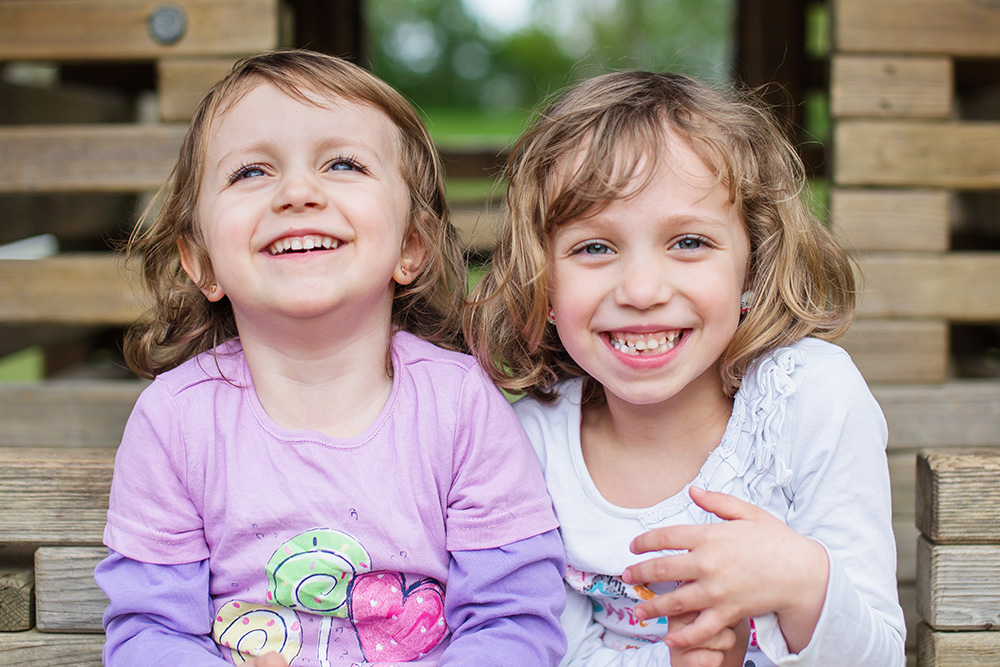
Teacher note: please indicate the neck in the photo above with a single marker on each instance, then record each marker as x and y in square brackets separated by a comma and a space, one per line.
[673, 437]
[322, 376]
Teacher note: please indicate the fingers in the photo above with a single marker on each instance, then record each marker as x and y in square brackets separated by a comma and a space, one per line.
[665, 568]
[268, 660]
[709, 628]
[723, 505]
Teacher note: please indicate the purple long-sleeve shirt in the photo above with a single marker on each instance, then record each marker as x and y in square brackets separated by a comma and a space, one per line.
[162, 614]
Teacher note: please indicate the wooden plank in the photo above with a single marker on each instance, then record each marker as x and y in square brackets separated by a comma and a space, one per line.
[908, 601]
[956, 649]
[955, 414]
[958, 495]
[183, 82]
[962, 155]
[478, 226]
[958, 586]
[899, 350]
[132, 158]
[54, 496]
[67, 598]
[902, 473]
[86, 288]
[17, 600]
[872, 220]
[78, 413]
[953, 27]
[40, 649]
[121, 29]
[960, 287]
[879, 86]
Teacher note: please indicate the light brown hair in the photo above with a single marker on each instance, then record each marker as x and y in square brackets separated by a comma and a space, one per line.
[605, 127]
[182, 323]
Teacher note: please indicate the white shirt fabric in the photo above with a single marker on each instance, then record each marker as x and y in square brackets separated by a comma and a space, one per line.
[806, 441]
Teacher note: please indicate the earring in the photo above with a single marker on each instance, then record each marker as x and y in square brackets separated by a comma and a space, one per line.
[403, 270]
[551, 316]
[214, 288]
[745, 300]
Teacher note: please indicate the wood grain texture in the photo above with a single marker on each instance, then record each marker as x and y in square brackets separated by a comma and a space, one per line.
[957, 649]
[66, 413]
[63, 158]
[84, 288]
[958, 585]
[54, 496]
[960, 287]
[901, 87]
[958, 496]
[17, 599]
[183, 82]
[67, 597]
[119, 29]
[899, 351]
[872, 220]
[961, 155]
[954, 27]
[954, 414]
[44, 649]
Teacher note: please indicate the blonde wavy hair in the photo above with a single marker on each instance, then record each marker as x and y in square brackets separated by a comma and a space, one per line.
[182, 322]
[802, 281]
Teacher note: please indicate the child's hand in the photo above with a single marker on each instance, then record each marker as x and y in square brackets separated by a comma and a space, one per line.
[725, 649]
[749, 565]
[267, 660]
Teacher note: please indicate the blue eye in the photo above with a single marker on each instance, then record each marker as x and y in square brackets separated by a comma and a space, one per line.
[689, 243]
[246, 171]
[595, 248]
[346, 164]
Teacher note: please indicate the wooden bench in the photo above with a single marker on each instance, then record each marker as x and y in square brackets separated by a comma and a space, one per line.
[958, 558]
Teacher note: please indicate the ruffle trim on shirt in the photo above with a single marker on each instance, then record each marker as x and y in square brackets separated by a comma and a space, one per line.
[764, 398]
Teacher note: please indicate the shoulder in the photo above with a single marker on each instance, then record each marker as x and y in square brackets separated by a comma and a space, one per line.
[807, 365]
[224, 363]
[415, 354]
[550, 425]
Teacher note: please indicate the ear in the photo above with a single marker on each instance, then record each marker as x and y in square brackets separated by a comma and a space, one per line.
[411, 258]
[191, 266]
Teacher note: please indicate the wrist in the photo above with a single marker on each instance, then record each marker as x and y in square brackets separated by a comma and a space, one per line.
[799, 617]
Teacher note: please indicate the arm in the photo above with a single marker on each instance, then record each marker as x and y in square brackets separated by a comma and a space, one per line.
[503, 604]
[157, 614]
[839, 525]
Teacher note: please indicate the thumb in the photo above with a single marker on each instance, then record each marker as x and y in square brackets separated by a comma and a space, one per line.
[723, 505]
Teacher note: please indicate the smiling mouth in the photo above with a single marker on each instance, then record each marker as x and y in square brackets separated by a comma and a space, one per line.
[307, 243]
[645, 344]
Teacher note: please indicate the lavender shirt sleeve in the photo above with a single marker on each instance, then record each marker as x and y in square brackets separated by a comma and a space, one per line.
[503, 604]
[157, 614]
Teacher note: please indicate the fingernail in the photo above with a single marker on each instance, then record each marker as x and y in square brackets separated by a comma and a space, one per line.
[627, 577]
[639, 614]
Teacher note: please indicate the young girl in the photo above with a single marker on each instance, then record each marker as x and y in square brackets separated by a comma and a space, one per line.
[307, 476]
[661, 293]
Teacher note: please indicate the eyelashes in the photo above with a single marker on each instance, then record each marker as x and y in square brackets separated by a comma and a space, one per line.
[248, 170]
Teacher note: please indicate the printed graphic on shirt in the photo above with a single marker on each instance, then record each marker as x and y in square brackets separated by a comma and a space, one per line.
[395, 621]
[614, 604]
[326, 575]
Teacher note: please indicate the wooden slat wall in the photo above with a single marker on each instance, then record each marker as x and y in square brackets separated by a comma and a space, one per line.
[902, 158]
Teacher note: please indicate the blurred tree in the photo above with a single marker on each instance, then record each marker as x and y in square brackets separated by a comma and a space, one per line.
[463, 54]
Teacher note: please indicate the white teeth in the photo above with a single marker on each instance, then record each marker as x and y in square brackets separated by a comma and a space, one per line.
[302, 243]
[651, 343]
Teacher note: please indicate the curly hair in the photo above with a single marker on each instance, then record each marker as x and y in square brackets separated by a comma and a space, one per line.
[606, 127]
[182, 323]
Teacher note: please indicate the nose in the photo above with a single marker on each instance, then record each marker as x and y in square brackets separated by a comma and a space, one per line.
[642, 284]
[299, 190]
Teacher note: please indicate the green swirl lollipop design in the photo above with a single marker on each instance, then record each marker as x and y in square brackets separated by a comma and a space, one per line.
[313, 571]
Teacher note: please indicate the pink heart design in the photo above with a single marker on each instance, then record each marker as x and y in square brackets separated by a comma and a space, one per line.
[394, 622]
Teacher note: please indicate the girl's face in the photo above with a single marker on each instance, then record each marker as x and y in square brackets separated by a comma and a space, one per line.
[303, 210]
[646, 292]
